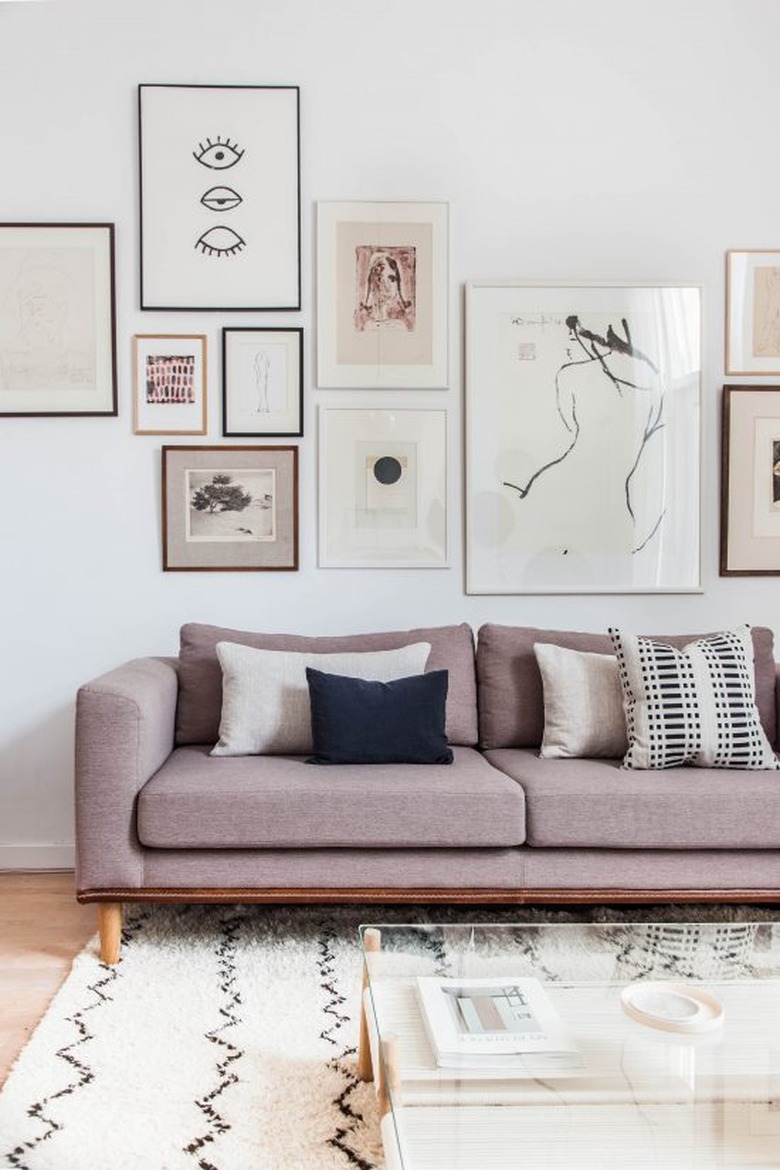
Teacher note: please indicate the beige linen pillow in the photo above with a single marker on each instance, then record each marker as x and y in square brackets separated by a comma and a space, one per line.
[265, 695]
[583, 704]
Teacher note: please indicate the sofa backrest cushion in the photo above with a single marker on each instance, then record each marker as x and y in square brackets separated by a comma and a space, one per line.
[200, 677]
[510, 695]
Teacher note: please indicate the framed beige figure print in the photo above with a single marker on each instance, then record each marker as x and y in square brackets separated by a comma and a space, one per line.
[169, 384]
[752, 312]
[382, 295]
[750, 482]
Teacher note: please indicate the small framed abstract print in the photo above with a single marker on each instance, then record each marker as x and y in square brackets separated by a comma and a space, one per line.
[169, 384]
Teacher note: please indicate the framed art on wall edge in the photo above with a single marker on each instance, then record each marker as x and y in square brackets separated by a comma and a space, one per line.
[230, 508]
[57, 319]
[382, 295]
[262, 381]
[752, 312]
[382, 488]
[169, 384]
[582, 438]
[750, 482]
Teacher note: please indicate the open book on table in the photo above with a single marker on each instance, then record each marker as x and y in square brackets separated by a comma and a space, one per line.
[501, 1023]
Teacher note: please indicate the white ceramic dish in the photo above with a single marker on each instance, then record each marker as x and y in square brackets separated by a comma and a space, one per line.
[672, 1007]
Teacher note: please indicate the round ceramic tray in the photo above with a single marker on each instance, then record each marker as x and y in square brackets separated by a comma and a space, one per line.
[672, 1007]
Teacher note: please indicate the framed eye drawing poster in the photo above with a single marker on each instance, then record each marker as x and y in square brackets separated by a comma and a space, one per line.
[169, 384]
[582, 438]
[750, 482]
[262, 381]
[752, 312]
[382, 488]
[220, 197]
[57, 319]
[382, 295]
[230, 508]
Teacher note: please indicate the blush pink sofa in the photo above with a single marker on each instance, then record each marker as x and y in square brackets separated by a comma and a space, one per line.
[159, 819]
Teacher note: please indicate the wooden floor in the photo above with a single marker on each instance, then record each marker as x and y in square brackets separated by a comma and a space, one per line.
[42, 929]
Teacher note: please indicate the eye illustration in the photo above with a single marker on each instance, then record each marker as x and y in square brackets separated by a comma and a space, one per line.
[219, 155]
[221, 199]
[220, 241]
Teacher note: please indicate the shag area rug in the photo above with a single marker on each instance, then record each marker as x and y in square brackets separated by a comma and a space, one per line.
[225, 1039]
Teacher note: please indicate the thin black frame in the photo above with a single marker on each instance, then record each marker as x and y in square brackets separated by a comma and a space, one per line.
[113, 410]
[219, 308]
[238, 434]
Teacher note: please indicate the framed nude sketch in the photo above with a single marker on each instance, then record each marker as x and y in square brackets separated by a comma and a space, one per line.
[750, 482]
[382, 313]
[752, 312]
[582, 438]
[262, 381]
[220, 196]
[57, 319]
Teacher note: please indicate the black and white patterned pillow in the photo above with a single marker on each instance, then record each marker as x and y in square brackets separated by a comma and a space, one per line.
[691, 706]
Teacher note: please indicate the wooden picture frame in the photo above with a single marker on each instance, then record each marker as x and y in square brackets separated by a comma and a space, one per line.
[262, 381]
[57, 320]
[170, 384]
[752, 312]
[229, 508]
[750, 482]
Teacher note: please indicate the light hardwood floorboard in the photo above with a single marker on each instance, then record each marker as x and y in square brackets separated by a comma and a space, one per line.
[42, 929]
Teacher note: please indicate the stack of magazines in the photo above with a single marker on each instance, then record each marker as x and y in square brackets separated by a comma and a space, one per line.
[495, 1023]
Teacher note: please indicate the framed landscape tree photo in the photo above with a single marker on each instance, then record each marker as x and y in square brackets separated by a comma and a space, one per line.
[230, 508]
[57, 319]
[220, 196]
[582, 438]
[382, 304]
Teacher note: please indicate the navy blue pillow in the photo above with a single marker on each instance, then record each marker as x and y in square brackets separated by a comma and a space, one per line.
[357, 721]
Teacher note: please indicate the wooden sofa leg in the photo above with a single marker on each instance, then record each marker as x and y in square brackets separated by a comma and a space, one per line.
[110, 927]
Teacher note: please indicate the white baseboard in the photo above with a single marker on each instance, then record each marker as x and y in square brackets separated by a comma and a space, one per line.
[37, 856]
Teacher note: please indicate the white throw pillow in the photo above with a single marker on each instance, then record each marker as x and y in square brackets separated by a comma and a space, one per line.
[583, 704]
[692, 706]
[265, 696]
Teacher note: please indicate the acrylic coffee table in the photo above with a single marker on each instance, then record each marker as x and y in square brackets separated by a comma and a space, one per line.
[644, 1096]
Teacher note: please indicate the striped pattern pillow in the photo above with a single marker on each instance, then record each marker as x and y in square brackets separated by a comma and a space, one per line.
[691, 706]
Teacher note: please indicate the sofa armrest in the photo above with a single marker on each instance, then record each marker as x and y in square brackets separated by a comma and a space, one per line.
[124, 732]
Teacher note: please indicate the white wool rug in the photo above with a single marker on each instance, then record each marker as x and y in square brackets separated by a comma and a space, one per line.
[225, 1040]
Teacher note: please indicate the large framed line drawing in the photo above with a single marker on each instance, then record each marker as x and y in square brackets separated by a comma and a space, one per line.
[262, 381]
[582, 438]
[169, 384]
[382, 488]
[752, 312]
[57, 319]
[230, 508]
[750, 482]
[220, 196]
[382, 301]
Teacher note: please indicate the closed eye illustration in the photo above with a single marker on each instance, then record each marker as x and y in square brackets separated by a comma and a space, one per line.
[220, 241]
[219, 155]
[221, 199]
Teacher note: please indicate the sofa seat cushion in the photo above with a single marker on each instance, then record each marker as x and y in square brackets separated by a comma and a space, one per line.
[198, 801]
[598, 804]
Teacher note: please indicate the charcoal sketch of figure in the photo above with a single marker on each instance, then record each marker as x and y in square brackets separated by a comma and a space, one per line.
[599, 486]
[385, 288]
[262, 365]
[45, 349]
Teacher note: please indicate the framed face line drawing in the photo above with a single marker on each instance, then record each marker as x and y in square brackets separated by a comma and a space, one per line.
[382, 295]
[57, 319]
[219, 170]
[582, 438]
[262, 381]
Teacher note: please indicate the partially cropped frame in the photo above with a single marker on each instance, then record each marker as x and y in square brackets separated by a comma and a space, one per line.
[57, 319]
[262, 381]
[230, 508]
[750, 482]
[169, 384]
[752, 312]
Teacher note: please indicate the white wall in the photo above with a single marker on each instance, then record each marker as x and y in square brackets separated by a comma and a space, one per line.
[613, 140]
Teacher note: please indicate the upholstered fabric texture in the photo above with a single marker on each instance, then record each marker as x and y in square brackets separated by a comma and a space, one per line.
[363, 721]
[265, 697]
[511, 699]
[694, 705]
[583, 704]
[200, 678]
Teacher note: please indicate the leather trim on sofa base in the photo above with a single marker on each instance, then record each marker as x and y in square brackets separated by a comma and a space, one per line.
[461, 896]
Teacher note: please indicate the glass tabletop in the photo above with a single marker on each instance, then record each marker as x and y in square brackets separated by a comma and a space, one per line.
[612, 1046]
